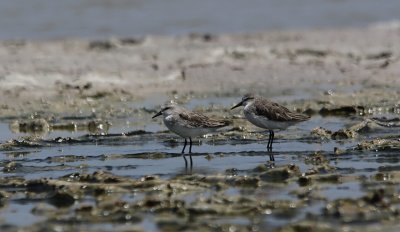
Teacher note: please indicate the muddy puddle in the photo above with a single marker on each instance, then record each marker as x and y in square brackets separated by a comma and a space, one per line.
[338, 171]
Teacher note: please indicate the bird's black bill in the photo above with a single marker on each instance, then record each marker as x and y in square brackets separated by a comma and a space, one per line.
[158, 114]
[239, 104]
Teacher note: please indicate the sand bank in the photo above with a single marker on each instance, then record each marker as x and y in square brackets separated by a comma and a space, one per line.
[353, 66]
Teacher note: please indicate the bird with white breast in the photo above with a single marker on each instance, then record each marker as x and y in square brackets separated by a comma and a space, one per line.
[188, 124]
[269, 115]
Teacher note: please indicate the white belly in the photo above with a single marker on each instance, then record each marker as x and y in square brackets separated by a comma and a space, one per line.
[266, 123]
[184, 131]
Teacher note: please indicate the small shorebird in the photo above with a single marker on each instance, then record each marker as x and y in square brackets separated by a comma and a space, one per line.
[188, 124]
[269, 115]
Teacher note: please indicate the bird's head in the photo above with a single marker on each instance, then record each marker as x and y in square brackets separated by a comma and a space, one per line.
[166, 110]
[246, 99]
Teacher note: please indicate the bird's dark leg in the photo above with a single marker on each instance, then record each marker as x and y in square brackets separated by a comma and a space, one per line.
[184, 146]
[271, 138]
[190, 151]
[269, 146]
[183, 152]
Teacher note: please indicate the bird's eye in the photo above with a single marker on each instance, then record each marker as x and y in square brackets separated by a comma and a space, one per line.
[248, 98]
[166, 108]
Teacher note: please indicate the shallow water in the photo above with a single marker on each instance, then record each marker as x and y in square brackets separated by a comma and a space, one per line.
[158, 153]
[41, 19]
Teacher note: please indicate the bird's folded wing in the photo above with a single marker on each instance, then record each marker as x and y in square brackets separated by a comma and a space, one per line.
[274, 111]
[197, 120]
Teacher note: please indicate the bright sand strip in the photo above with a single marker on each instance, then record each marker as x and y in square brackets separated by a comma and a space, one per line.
[359, 66]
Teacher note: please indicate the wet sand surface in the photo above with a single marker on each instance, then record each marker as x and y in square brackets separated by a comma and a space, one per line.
[79, 150]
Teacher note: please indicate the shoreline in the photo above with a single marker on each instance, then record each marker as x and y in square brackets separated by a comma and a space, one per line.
[340, 67]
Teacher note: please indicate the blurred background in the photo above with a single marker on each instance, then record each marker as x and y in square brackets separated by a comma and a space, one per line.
[49, 19]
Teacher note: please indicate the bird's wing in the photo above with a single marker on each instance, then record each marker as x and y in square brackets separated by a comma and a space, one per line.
[274, 111]
[197, 120]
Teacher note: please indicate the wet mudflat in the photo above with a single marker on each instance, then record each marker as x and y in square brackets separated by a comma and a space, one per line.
[338, 171]
[80, 152]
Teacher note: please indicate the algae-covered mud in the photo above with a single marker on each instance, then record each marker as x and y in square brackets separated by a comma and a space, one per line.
[80, 152]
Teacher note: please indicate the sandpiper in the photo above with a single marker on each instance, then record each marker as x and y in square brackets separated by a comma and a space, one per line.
[188, 124]
[269, 115]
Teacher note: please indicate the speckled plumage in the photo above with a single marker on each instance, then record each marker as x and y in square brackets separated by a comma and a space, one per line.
[274, 112]
[188, 124]
[269, 115]
[197, 120]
